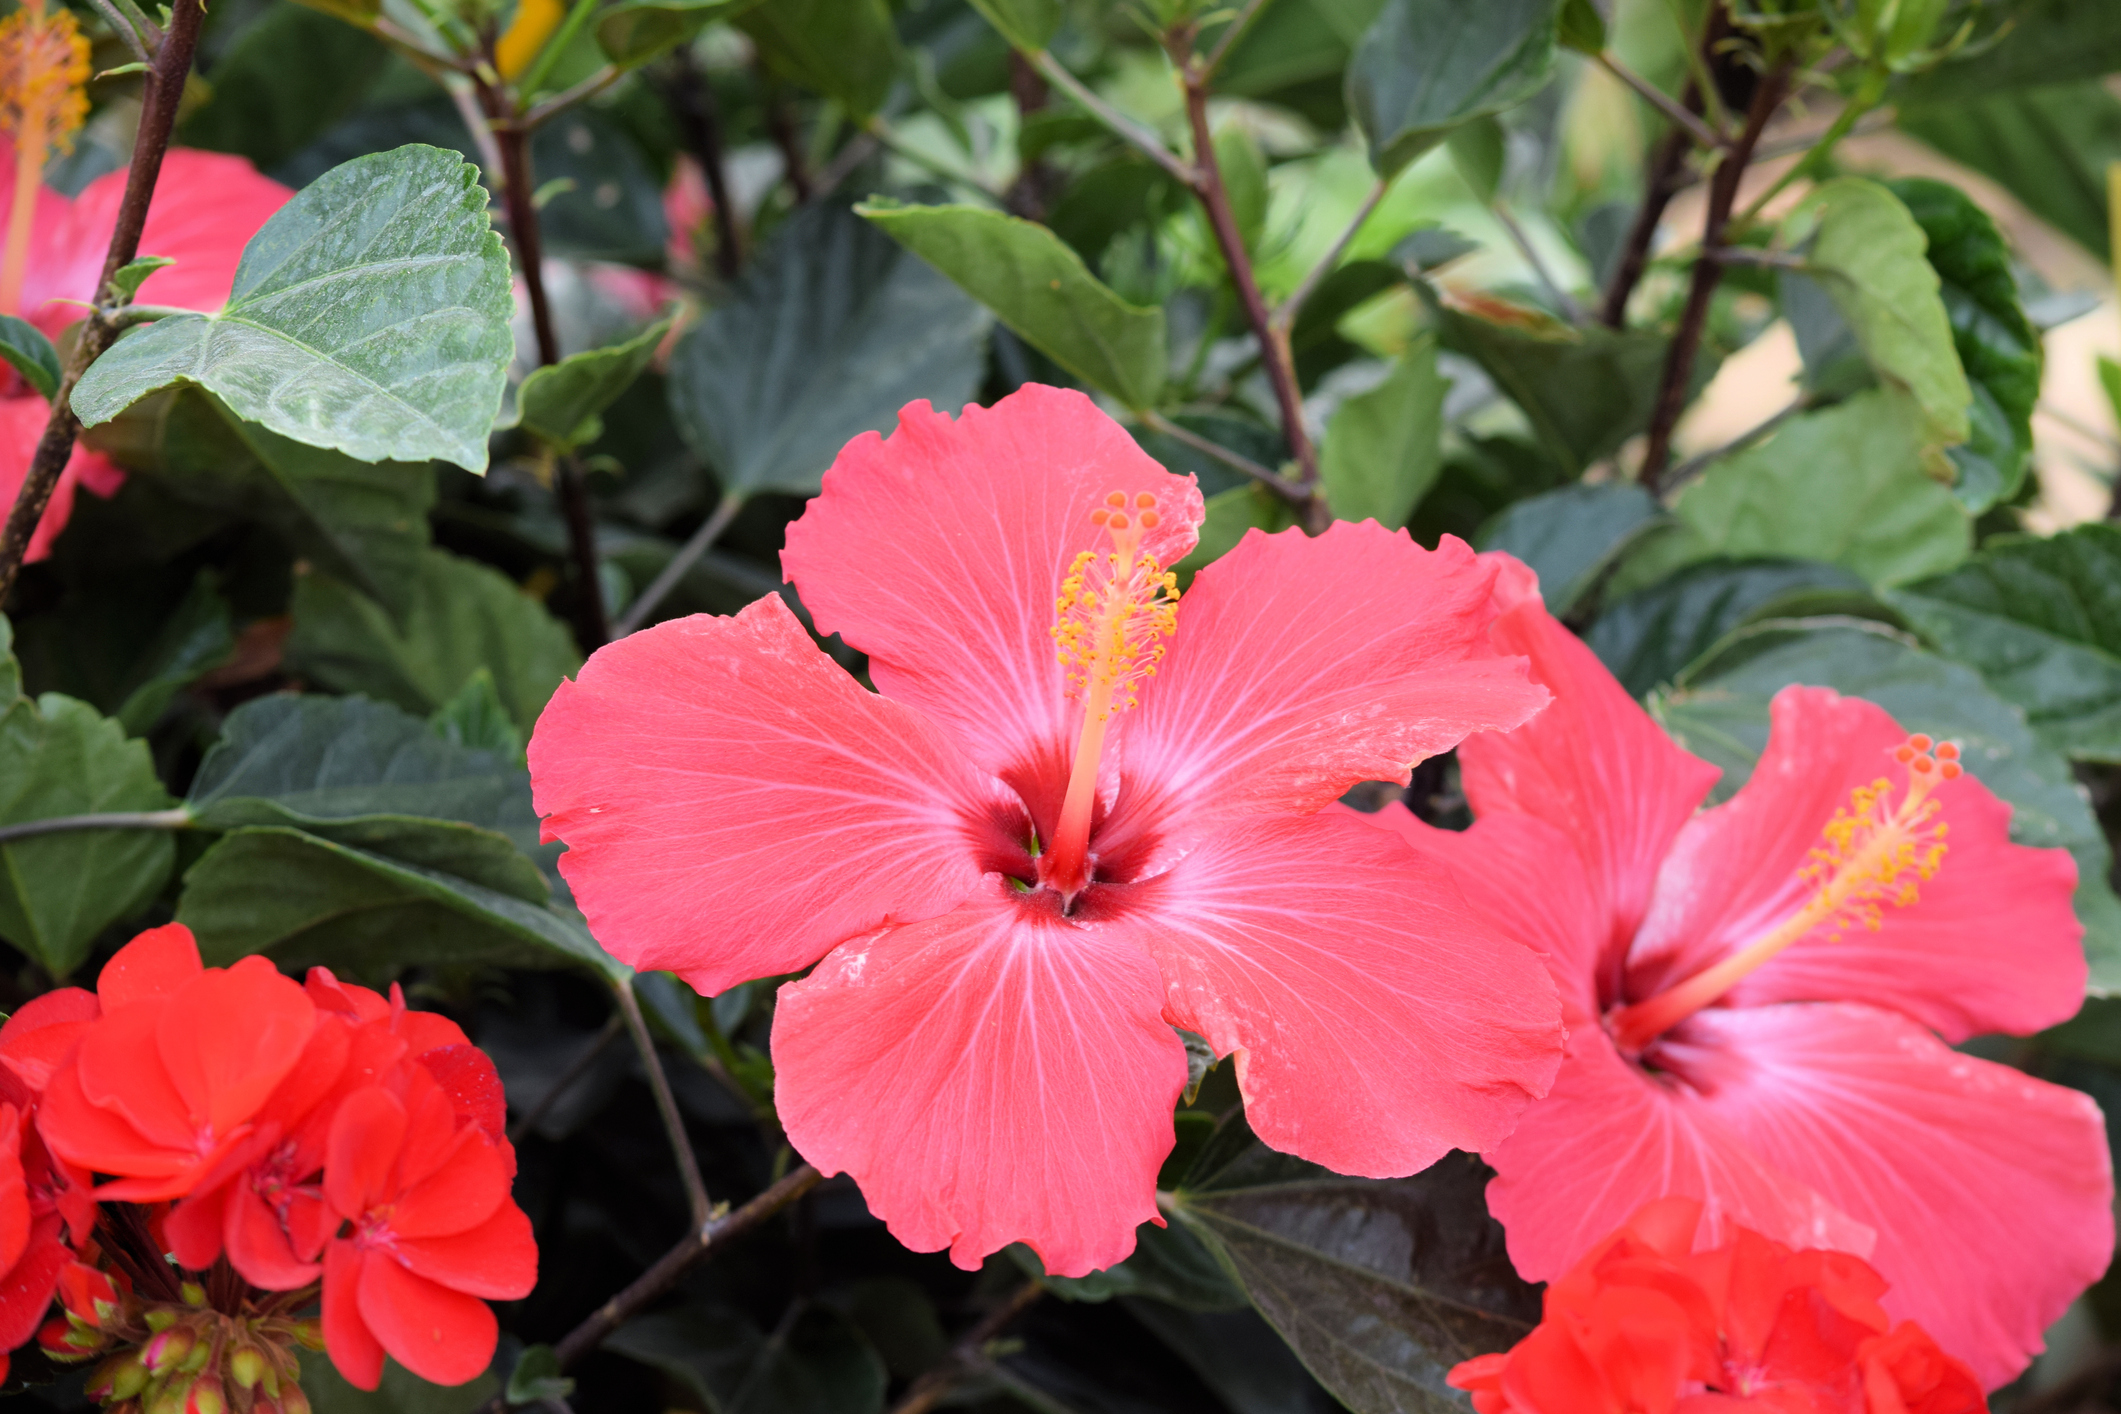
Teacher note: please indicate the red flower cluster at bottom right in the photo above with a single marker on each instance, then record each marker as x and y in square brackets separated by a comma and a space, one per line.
[1646, 1325]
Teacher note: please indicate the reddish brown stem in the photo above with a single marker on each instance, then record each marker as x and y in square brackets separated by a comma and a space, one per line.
[969, 1354]
[692, 101]
[1708, 272]
[164, 85]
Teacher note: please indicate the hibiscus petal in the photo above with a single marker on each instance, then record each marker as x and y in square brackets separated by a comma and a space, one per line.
[1593, 765]
[498, 1259]
[938, 552]
[1610, 1137]
[1991, 1192]
[1378, 1022]
[353, 1348]
[998, 1074]
[735, 805]
[443, 1336]
[1303, 665]
[1732, 876]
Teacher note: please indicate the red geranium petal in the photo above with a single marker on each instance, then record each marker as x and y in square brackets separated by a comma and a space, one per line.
[938, 552]
[735, 805]
[1311, 948]
[353, 1348]
[193, 1228]
[154, 964]
[229, 1037]
[360, 1158]
[26, 1289]
[1593, 765]
[461, 1194]
[1733, 875]
[498, 1259]
[467, 1075]
[1991, 1192]
[14, 1191]
[118, 1070]
[258, 1246]
[998, 1074]
[443, 1336]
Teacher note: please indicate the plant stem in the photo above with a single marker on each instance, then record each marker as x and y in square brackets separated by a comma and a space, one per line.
[177, 819]
[158, 114]
[1286, 312]
[1686, 339]
[588, 88]
[1273, 342]
[541, 67]
[1272, 480]
[1681, 115]
[666, 1105]
[1694, 466]
[1563, 301]
[699, 1244]
[781, 124]
[969, 1354]
[576, 1069]
[687, 556]
[1227, 40]
[126, 33]
[1122, 126]
[1868, 95]
[692, 102]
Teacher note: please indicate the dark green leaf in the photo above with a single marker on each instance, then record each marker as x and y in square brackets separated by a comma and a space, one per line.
[818, 1363]
[1027, 24]
[1244, 173]
[1384, 447]
[1572, 535]
[60, 757]
[2041, 619]
[194, 640]
[1295, 52]
[460, 617]
[1169, 1264]
[123, 646]
[1426, 66]
[29, 353]
[288, 78]
[1480, 150]
[562, 404]
[537, 1378]
[611, 207]
[401, 1391]
[831, 332]
[1238, 1356]
[1230, 514]
[2048, 42]
[1042, 290]
[844, 49]
[1379, 1287]
[370, 316]
[632, 33]
[1582, 28]
[1719, 711]
[2049, 147]
[1648, 637]
[476, 717]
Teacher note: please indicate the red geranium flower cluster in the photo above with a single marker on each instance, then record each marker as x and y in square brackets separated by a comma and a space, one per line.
[1645, 1324]
[261, 1143]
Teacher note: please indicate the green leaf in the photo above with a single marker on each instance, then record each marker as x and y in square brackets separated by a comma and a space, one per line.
[1480, 150]
[1383, 448]
[2049, 147]
[1426, 66]
[1379, 1287]
[476, 717]
[1869, 255]
[57, 892]
[1237, 1355]
[1719, 711]
[196, 638]
[561, 404]
[288, 78]
[536, 1377]
[817, 1363]
[401, 1391]
[2041, 620]
[128, 644]
[30, 354]
[832, 330]
[844, 49]
[1170, 1264]
[361, 521]
[369, 316]
[460, 616]
[1647, 638]
[354, 12]
[1230, 514]
[1027, 24]
[1845, 485]
[1244, 173]
[632, 33]
[129, 277]
[1582, 27]
[1572, 535]
[2048, 42]
[1041, 289]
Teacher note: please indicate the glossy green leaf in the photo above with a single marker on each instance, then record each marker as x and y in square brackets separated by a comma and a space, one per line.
[1585, 391]
[635, 31]
[1869, 254]
[1582, 28]
[287, 78]
[1649, 637]
[369, 316]
[1846, 486]
[1573, 535]
[2048, 146]
[562, 404]
[844, 49]
[460, 617]
[537, 1378]
[30, 354]
[830, 333]
[61, 757]
[127, 279]
[1380, 1287]
[1719, 711]
[2041, 619]
[1027, 24]
[2046, 42]
[400, 1392]
[817, 1363]
[1041, 289]
[1244, 174]
[476, 717]
[1426, 66]
[1383, 448]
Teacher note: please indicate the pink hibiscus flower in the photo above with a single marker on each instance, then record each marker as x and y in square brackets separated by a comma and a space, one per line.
[207, 206]
[1018, 887]
[1755, 996]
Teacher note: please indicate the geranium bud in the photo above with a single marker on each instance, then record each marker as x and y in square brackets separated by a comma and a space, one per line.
[120, 1377]
[293, 1401]
[170, 1398]
[195, 1360]
[160, 1320]
[167, 1349]
[247, 1366]
[193, 1293]
[207, 1397]
[310, 1333]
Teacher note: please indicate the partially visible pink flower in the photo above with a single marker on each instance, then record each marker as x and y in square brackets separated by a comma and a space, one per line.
[1011, 886]
[1755, 997]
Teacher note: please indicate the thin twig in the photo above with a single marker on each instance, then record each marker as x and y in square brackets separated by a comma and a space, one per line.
[692, 102]
[859, 149]
[1563, 301]
[1695, 465]
[1679, 114]
[1293, 305]
[969, 1355]
[687, 556]
[158, 114]
[1227, 40]
[177, 819]
[576, 1069]
[880, 129]
[1272, 480]
[538, 114]
[1868, 95]
[781, 124]
[1686, 339]
[1147, 142]
[666, 1105]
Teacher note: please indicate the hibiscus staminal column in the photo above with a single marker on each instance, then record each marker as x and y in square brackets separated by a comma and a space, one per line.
[1114, 610]
[43, 102]
[1873, 854]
